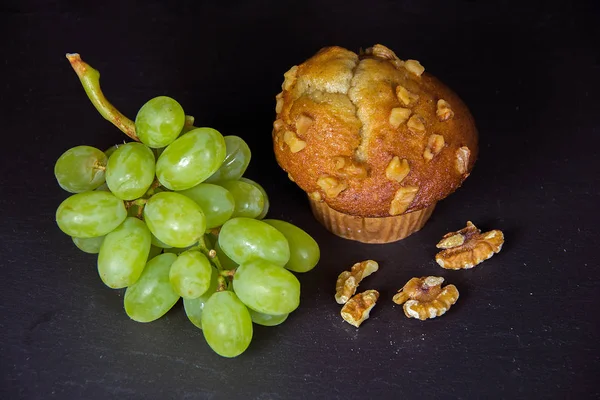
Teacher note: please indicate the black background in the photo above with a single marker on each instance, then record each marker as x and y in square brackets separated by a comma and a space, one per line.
[527, 321]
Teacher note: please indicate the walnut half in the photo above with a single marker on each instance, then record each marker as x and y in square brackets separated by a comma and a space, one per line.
[293, 142]
[405, 96]
[435, 144]
[414, 66]
[383, 52]
[402, 199]
[462, 160]
[468, 247]
[331, 186]
[348, 281]
[443, 110]
[416, 124]
[348, 168]
[424, 298]
[398, 115]
[397, 169]
[358, 308]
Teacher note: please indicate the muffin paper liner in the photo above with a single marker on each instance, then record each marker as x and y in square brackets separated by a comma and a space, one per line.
[370, 230]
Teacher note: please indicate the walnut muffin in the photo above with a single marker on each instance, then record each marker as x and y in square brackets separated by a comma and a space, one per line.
[373, 140]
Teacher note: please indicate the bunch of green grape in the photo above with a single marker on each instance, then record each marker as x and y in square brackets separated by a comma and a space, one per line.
[173, 217]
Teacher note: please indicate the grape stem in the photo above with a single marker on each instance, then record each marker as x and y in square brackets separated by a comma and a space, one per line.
[210, 254]
[215, 231]
[90, 80]
[228, 273]
[137, 202]
[155, 184]
[222, 286]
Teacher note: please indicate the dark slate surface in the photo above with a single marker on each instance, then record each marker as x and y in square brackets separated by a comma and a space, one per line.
[527, 322]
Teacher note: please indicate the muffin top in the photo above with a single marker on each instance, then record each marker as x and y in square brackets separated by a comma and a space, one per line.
[370, 134]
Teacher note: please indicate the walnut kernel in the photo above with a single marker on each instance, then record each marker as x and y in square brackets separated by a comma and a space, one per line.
[468, 247]
[339, 162]
[451, 240]
[462, 159]
[278, 124]
[316, 196]
[277, 137]
[435, 144]
[355, 170]
[331, 186]
[424, 298]
[348, 168]
[289, 78]
[397, 169]
[402, 199]
[358, 308]
[292, 140]
[415, 67]
[279, 103]
[405, 96]
[383, 52]
[303, 123]
[444, 111]
[348, 281]
[398, 115]
[416, 124]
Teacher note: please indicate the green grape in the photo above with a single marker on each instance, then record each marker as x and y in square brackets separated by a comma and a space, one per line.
[249, 200]
[304, 250]
[266, 287]
[174, 219]
[154, 251]
[236, 160]
[89, 245]
[111, 150]
[158, 243]
[190, 159]
[193, 307]
[124, 253]
[266, 319]
[266, 204]
[216, 202]
[226, 262]
[90, 214]
[245, 239]
[103, 188]
[226, 324]
[152, 295]
[130, 171]
[159, 121]
[80, 169]
[190, 274]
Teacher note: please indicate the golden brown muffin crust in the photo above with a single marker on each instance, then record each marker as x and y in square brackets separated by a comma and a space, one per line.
[372, 136]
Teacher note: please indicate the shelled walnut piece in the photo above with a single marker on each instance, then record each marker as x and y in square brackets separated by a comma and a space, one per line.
[468, 247]
[424, 298]
[348, 281]
[358, 308]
